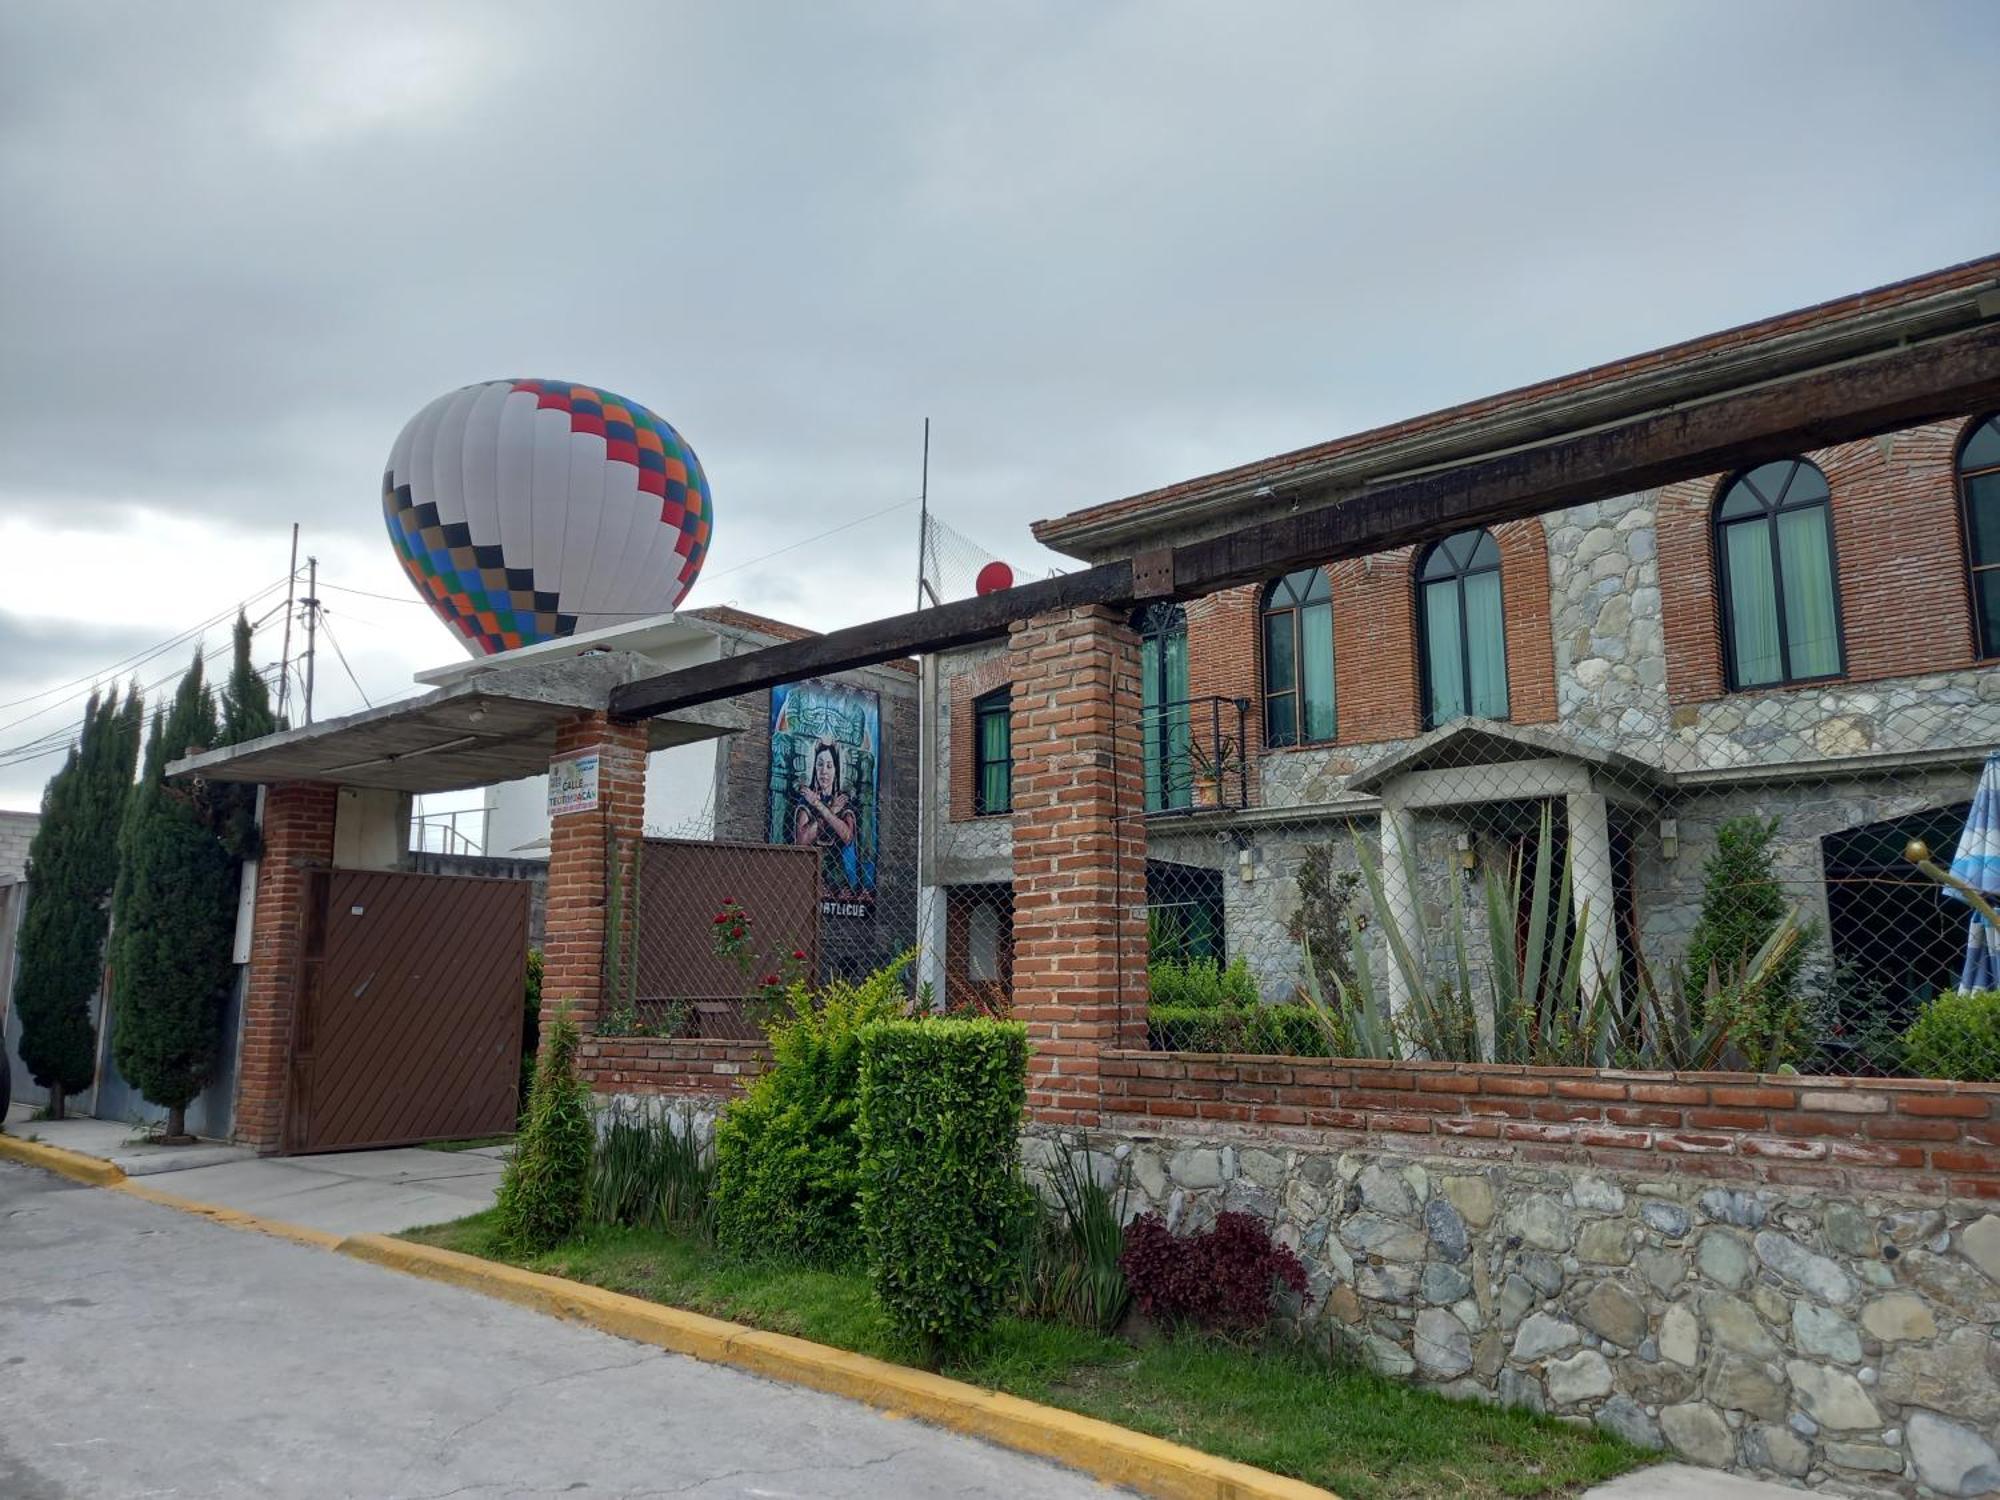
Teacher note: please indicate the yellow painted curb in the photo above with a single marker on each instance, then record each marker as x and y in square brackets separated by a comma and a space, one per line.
[230, 1218]
[1150, 1465]
[90, 1170]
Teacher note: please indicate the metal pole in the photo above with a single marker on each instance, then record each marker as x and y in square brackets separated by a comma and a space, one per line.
[924, 518]
[285, 655]
[312, 629]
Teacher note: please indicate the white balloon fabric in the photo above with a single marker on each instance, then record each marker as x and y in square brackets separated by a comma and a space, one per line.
[524, 510]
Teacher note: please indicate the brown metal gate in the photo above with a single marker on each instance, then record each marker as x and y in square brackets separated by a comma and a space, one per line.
[408, 1024]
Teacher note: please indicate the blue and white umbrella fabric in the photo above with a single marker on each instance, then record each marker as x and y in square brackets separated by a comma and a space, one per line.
[1977, 863]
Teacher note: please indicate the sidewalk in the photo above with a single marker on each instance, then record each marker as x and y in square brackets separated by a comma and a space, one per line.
[344, 1192]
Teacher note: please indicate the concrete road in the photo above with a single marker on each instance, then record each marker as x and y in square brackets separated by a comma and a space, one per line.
[144, 1352]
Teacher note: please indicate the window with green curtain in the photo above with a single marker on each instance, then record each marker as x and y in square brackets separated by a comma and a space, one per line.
[1298, 660]
[1463, 628]
[1166, 731]
[993, 759]
[1979, 498]
[1779, 589]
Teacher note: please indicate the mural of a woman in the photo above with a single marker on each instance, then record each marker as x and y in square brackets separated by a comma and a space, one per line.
[824, 817]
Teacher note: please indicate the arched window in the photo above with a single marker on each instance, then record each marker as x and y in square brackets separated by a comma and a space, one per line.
[1979, 499]
[1298, 659]
[1774, 551]
[1166, 726]
[1464, 634]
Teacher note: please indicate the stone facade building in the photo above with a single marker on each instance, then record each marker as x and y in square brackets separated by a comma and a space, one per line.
[1617, 696]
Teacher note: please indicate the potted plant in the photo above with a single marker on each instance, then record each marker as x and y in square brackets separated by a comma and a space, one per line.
[1212, 765]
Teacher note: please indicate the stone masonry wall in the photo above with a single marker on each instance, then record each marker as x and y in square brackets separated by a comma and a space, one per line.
[1838, 1337]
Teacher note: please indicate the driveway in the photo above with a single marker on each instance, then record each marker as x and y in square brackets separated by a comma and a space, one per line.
[342, 1192]
[145, 1352]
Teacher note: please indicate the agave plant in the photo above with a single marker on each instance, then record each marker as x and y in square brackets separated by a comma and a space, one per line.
[1537, 1003]
[1670, 1035]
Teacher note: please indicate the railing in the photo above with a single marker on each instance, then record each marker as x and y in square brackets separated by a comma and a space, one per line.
[439, 833]
[1195, 755]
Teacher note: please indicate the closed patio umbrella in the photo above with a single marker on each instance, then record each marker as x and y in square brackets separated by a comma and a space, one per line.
[1976, 862]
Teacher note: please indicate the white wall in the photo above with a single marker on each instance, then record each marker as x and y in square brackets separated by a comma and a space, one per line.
[680, 782]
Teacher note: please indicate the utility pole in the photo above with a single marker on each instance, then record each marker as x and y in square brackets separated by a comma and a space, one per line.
[311, 602]
[285, 656]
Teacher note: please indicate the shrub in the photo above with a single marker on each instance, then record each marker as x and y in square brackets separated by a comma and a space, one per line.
[1742, 905]
[1200, 983]
[940, 1119]
[1069, 1252]
[1224, 1280]
[787, 1159]
[531, 1026]
[1273, 1030]
[1956, 1035]
[546, 1183]
[650, 1171]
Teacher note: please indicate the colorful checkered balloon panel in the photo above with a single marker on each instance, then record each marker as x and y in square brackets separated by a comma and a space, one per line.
[524, 510]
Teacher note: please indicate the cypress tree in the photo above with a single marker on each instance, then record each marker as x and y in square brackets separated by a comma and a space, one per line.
[246, 715]
[176, 913]
[72, 864]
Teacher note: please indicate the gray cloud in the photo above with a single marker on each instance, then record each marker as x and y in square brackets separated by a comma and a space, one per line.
[1102, 247]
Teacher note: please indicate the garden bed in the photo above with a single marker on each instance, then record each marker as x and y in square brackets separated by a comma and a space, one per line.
[1281, 1408]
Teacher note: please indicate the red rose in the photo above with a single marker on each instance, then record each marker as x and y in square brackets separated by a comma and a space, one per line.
[799, 954]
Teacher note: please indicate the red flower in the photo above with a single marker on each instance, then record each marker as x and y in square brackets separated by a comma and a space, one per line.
[799, 954]
[721, 917]
[770, 979]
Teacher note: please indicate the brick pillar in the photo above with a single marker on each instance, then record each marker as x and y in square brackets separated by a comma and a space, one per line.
[580, 843]
[297, 839]
[1079, 854]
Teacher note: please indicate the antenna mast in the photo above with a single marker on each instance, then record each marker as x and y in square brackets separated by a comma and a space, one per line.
[285, 656]
[311, 602]
[924, 526]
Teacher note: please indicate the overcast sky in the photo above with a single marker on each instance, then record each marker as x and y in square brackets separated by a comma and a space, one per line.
[1102, 247]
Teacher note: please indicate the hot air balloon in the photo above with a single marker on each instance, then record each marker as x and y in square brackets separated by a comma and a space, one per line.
[524, 510]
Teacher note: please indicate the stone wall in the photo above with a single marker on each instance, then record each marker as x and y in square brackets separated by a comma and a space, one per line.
[1842, 1338]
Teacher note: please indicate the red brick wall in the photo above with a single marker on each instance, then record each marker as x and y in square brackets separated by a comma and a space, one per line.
[580, 845]
[1375, 664]
[670, 1066]
[1524, 601]
[298, 837]
[1897, 544]
[1914, 1135]
[1079, 854]
[960, 690]
[1375, 647]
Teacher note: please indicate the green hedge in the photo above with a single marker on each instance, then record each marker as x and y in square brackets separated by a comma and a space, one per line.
[1201, 982]
[1956, 1036]
[787, 1158]
[940, 1125]
[1263, 1030]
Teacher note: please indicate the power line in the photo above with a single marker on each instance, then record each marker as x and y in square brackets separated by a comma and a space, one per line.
[53, 741]
[807, 541]
[135, 659]
[326, 624]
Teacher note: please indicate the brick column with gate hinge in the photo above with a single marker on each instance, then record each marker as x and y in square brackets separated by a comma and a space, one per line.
[1079, 854]
[580, 858]
[297, 833]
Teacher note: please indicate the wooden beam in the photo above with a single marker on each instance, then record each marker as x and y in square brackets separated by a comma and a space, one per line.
[1953, 374]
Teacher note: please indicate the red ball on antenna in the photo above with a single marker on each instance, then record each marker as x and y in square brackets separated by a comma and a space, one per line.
[994, 577]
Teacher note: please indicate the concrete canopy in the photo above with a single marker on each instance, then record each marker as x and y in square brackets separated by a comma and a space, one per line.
[491, 726]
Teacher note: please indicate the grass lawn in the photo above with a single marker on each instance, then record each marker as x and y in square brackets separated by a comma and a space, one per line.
[1361, 1436]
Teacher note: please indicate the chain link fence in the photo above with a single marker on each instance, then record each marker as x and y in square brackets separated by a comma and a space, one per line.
[1711, 898]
